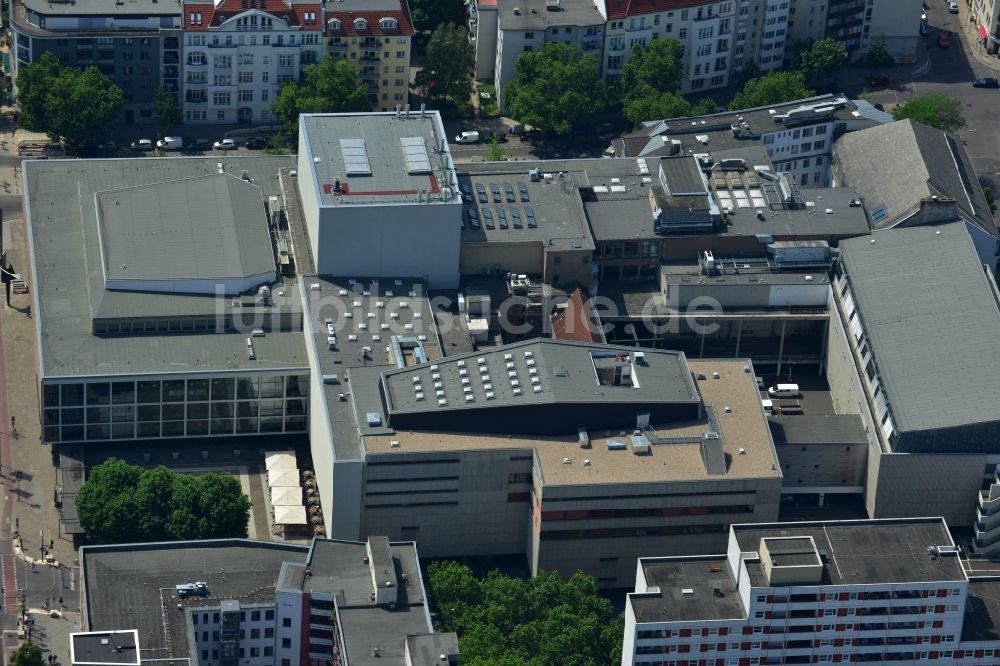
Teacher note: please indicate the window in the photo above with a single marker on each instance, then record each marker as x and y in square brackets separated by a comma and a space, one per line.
[286, 642]
[388, 23]
[683, 32]
[222, 98]
[286, 621]
[360, 24]
[684, 15]
[246, 95]
[528, 48]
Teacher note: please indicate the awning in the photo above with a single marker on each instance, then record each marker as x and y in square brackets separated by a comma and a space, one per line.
[279, 459]
[290, 515]
[286, 496]
[983, 34]
[277, 478]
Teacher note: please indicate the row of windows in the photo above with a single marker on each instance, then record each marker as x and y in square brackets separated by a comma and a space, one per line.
[624, 532]
[173, 412]
[174, 390]
[170, 429]
[599, 514]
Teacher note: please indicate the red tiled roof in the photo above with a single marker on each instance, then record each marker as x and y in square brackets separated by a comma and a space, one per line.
[212, 15]
[618, 9]
[347, 18]
[576, 320]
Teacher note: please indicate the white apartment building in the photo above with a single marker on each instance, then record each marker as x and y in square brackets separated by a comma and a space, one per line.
[818, 592]
[524, 25]
[986, 14]
[237, 53]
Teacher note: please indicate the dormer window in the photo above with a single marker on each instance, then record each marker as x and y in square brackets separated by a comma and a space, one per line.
[333, 24]
[360, 24]
[388, 23]
[196, 18]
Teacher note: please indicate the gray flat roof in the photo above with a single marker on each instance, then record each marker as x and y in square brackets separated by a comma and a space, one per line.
[824, 213]
[564, 371]
[807, 429]
[378, 157]
[128, 585]
[348, 308]
[548, 211]
[683, 175]
[99, 8]
[982, 611]
[864, 552]
[426, 649]
[687, 590]
[687, 274]
[538, 15]
[931, 319]
[198, 228]
[105, 647]
[69, 284]
[339, 6]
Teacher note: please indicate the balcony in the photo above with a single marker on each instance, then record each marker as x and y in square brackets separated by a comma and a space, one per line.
[616, 47]
[198, 101]
[336, 46]
[369, 58]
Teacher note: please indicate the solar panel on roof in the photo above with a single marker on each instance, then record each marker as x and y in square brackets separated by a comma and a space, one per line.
[509, 191]
[878, 213]
[415, 154]
[481, 193]
[488, 218]
[355, 157]
[496, 192]
[515, 217]
[523, 189]
[501, 218]
[529, 213]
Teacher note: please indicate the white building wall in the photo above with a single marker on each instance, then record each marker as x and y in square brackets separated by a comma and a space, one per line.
[803, 152]
[772, 31]
[483, 33]
[289, 610]
[899, 21]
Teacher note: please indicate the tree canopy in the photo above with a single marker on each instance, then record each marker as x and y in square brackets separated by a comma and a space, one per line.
[653, 69]
[877, 54]
[773, 88]
[542, 621]
[429, 14]
[822, 59]
[122, 503]
[168, 110]
[557, 86]
[27, 654]
[937, 110]
[331, 86]
[494, 153]
[447, 65]
[666, 105]
[65, 101]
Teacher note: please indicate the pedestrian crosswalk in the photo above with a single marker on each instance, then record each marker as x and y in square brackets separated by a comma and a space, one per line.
[9, 576]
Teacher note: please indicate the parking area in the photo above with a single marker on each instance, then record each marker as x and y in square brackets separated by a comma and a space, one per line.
[813, 399]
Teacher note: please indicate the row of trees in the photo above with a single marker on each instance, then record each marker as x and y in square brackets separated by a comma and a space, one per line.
[123, 503]
[541, 621]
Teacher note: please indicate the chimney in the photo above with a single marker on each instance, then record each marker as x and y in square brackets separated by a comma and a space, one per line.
[423, 113]
[337, 189]
[407, 116]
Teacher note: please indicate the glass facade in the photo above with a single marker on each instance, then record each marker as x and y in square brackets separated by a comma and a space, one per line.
[191, 407]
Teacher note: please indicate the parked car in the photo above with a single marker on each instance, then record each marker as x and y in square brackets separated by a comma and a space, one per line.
[224, 144]
[468, 137]
[878, 81]
[944, 41]
[198, 146]
[952, 6]
[170, 143]
[499, 136]
[987, 82]
[256, 143]
[141, 145]
[108, 145]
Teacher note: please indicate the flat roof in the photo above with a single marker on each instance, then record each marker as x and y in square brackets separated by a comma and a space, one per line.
[199, 228]
[690, 589]
[939, 365]
[426, 649]
[982, 610]
[690, 274]
[372, 319]
[864, 552]
[746, 441]
[378, 157]
[69, 286]
[682, 175]
[105, 647]
[128, 585]
[826, 429]
[99, 8]
[540, 15]
[511, 208]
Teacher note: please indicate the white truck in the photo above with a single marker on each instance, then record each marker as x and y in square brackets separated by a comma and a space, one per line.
[170, 143]
[467, 137]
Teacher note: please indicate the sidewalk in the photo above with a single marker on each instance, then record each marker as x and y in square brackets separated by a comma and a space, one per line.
[976, 47]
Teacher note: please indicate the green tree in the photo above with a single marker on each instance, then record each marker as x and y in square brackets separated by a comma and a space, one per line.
[27, 654]
[705, 107]
[447, 71]
[64, 101]
[543, 621]
[653, 69]
[122, 503]
[773, 88]
[168, 110]
[877, 54]
[937, 110]
[657, 105]
[822, 59]
[429, 14]
[331, 86]
[494, 153]
[556, 87]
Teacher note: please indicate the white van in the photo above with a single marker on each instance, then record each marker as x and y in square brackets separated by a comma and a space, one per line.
[467, 137]
[784, 391]
[170, 143]
[768, 406]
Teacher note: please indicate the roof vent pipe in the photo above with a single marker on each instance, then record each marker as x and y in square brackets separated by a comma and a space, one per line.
[423, 112]
[398, 107]
[336, 186]
[407, 116]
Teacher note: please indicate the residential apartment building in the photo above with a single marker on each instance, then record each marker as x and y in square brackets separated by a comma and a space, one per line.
[986, 14]
[815, 592]
[374, 36]
[236, 56]
[855, 24]
[274, 604]
[481, 23]
[136, 44]
[524, 25]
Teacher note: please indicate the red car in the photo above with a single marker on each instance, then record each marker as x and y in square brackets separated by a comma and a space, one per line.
[944, 41]
[880, 80]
